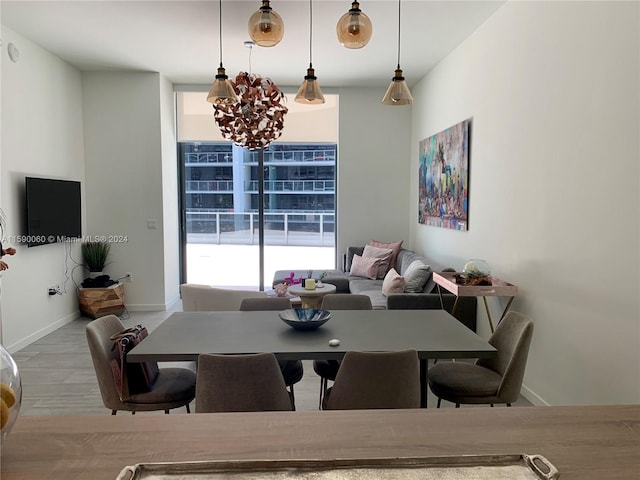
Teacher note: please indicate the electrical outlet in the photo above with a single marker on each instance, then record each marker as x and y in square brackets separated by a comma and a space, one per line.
[54, 290]
[128, 276]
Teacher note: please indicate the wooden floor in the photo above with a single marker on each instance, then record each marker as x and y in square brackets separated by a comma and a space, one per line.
[58, 377]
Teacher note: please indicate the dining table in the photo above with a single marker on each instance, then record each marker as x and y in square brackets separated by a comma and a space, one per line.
[434, 334]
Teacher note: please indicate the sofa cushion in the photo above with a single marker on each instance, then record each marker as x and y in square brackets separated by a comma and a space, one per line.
[361, 285]
[395, 246]
[365, 267]
[416, 276]
[384, 254]
[393, 283]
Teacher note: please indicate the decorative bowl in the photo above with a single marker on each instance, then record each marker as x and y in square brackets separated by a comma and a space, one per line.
[304, 318]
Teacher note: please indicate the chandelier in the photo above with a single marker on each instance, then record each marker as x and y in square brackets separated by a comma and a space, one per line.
[258, 118]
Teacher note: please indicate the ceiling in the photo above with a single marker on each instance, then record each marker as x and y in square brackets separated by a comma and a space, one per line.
[180, 39]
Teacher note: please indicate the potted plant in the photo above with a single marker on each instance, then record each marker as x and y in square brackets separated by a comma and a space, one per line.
[95, 256]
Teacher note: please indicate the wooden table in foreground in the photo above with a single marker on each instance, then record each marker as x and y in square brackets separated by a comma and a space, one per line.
[585, 443]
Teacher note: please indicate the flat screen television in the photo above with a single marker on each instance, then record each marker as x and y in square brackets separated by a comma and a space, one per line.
[53, 210]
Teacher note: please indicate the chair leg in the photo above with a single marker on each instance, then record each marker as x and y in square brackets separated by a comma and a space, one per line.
[188, 409]
[457, 405]
[133, 412]
[292, 397]
[321, 391]
[114, 412]
[508, 404]
[166, 412]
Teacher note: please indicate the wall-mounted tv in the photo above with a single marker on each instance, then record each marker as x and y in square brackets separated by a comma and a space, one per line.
[53, 210]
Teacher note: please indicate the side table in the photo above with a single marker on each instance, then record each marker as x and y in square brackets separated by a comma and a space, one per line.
[498, 288]
[311, 298]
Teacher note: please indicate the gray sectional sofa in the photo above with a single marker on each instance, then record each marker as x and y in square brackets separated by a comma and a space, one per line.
[426, 298]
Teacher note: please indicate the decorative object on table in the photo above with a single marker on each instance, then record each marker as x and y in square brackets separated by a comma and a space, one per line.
[475, 272]
[258, 118]
[305, 318]
[10, 392]
[291, 280]
[309, 284]
[443, 178]
[281, 289]
[94, 256]
[319, 283]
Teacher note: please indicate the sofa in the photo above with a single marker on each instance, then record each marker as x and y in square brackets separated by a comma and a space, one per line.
[426, 298]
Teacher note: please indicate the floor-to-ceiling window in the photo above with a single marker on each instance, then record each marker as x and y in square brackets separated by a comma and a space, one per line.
[220, 197]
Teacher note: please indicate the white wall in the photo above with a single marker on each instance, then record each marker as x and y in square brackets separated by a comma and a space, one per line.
[553, 92]
[374, 163]
[124, 155]
[42, 135]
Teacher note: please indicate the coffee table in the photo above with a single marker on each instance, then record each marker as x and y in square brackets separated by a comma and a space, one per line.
[312, 298]
[498, 288]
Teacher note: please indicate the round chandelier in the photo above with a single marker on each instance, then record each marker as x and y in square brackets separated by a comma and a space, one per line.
[258, 118]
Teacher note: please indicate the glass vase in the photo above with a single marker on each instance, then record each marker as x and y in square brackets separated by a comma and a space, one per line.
[10, 392]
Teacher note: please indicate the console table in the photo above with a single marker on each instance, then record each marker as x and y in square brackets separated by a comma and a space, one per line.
[583, 443]
[98, 302]
[498, 288]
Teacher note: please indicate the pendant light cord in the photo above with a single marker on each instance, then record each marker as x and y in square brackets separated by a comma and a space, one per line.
[220, 21]
[310, 31]
[399, 34]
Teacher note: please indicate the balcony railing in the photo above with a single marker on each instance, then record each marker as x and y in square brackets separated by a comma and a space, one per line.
[325, 186]
[208, 185]
[282, 228]
[294, 156]
[208, 157]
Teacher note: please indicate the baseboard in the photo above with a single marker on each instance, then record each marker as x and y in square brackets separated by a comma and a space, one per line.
[146, 307]
[42, 332]
[533, 397]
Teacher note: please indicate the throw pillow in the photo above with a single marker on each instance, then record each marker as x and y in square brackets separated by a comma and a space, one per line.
[364, 267]
[393, 283]
[384, 254]
[416, 276]
[395, 246]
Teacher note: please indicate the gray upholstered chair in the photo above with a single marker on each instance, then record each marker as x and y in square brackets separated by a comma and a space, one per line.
[292, 370]
[240, 383]
[376, 380]
[488, 380]
[203, 298]
[328, 369]
[173, 388]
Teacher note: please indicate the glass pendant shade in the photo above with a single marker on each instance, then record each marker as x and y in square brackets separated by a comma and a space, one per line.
[309, 92]
[398, 92]
[222, 90]
[354, 28]
[266, 27]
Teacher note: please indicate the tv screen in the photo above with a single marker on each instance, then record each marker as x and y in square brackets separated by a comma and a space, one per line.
[53, 210]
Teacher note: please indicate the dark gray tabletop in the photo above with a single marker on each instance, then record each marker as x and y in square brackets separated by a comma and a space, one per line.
[433, 333]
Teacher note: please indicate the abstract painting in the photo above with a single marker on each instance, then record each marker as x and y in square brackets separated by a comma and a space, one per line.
[443, 178]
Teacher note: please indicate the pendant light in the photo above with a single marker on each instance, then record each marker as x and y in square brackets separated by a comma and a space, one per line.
[222, 90]
[309, 92]
[398, 93]
[354, 28]
[266, 27]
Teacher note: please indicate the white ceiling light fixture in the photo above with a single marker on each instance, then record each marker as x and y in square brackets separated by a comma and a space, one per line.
[354, 28]
[266, 27]
[309, 92]
[222, 90]
[398, 92]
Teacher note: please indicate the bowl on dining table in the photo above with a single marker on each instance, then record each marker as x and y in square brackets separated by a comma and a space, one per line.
[305, 318]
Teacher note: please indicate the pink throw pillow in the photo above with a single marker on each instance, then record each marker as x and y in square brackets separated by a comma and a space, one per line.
[384, 254]
[395, 246]
[364, 267]
[393, 283]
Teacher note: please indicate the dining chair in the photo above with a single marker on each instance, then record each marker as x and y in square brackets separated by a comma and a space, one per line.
[203, 298]
[240, 383]
[328, 369]
[488, 380]
[292, 370]
[173, 388]
[376, 380]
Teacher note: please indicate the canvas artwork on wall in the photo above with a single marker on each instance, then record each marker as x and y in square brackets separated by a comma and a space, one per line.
[443, 178]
